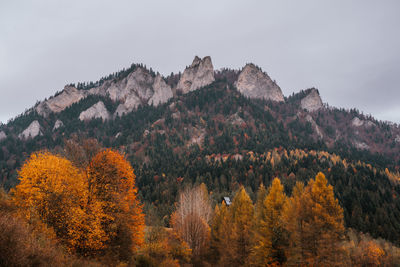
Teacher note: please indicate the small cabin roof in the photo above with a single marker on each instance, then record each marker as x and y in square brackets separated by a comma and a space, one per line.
[227, 201]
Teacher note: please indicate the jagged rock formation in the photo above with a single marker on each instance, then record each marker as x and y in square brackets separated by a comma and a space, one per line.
[98, 110]
[254, 83]
[138, 88]
[2, 136]
[312, 101]
[197, 75]
[32, 131]
[397, 139]
[69, 96]
[58, 124]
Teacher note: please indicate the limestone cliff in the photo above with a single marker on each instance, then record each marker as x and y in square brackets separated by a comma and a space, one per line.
[139, 88]
[98, 110]
[69, 96]
[254, 83]
[162, 92]
[197, 75]
[32, 131]
[312, 101]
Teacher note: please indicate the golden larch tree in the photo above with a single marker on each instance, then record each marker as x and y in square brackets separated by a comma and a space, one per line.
[317, 224]
[240, 222]
[270, 237]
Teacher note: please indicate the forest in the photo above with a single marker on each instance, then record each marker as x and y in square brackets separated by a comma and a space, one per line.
[81, 206]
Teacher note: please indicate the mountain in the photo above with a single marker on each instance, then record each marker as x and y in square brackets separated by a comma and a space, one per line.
[224, 128]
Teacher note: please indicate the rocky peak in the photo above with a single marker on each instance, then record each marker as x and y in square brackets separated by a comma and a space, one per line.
[312, 101]
[2, 135]
[32, 131]
[98, 110]
[68, 96]
[254, 83]
[139, 88]
[197, 75]
[196, 61]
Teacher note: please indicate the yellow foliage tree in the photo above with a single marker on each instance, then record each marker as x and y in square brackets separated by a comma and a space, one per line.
[270, 236]
[237, 230]
[91, 210]
[315, 219]
[52, 195]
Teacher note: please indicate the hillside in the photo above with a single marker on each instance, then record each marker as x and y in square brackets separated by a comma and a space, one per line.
[225, 128]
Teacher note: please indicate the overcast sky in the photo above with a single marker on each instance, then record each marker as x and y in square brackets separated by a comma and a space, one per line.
[349, 50]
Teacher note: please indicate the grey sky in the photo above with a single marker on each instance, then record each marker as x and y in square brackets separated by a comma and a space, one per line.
[350, 50]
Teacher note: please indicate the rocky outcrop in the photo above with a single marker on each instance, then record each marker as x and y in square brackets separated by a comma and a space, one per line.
[236, 120]
[32, 131]
[360, 145]
[312, 101]
[196, 136]
[2, 135]
[138, 88]
[315, 126]
[138, 82]
[254, 83]
[131, 103]
[69, 96]
[356, 122]
[197, 75]
[397, 139]
[58, 124]
[97, 111]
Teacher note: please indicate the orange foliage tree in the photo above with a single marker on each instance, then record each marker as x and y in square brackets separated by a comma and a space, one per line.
[84, 208]
[111, 182]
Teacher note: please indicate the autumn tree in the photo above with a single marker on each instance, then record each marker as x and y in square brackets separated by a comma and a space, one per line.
[92, 210]
[192, 217]
[111, 182]
[237, 230]
[220, 233]
[52, 196]
[315, 220]
[270, 235]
